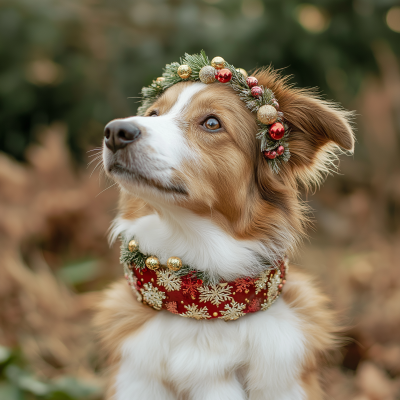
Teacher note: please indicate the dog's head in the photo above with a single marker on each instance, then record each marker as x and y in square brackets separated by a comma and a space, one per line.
[196, 148]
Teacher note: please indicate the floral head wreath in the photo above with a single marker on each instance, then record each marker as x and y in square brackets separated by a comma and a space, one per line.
[272, 131]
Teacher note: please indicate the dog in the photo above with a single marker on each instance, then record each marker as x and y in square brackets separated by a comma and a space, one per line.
[194, 184]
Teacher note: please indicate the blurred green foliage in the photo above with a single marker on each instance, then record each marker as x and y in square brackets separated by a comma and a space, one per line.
[79, 61]
[17, 383]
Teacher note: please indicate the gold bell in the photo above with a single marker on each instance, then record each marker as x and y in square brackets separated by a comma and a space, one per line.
[218, 62]
[184, 71]
[242, 71]
[152, 262]
[133, 245]
[174, 263]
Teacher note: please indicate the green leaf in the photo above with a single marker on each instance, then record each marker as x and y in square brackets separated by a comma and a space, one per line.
[9, 391]
[26, 381]
[80, 272]
[75, 387]
[5, 354]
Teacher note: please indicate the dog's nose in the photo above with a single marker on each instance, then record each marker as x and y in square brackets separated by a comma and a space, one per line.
[119, 133]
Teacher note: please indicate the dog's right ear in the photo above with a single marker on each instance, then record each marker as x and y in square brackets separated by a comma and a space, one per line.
[317, 128]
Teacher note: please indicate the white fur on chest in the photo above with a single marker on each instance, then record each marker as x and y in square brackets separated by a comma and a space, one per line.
[256, 357]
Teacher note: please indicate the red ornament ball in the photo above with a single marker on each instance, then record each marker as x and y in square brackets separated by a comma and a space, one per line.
[256, 91]
[280, 150]
[271, 154]
[277, 131]
[224, 75]
[275, 104]
[251, 81]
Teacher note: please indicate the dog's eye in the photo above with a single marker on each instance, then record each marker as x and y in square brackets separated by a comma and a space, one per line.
[212, 124]
[154, 113]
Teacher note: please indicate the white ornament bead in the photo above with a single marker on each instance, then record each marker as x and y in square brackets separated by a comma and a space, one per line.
[207, 74]
[267, 114]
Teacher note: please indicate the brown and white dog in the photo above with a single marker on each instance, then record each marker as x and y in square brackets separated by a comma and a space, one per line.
[194, 184]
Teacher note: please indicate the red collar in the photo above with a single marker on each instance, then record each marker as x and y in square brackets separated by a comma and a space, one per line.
[189, 297]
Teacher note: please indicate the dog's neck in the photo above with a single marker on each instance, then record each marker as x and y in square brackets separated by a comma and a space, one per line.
[198, 241]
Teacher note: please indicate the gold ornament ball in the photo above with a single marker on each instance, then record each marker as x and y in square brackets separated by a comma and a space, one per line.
[243, 72]
[160, 79]
[267, 114]
[174, 263]
[133, 246]
[184, 71]
[218, 62]
[207, 74]
[152, 263]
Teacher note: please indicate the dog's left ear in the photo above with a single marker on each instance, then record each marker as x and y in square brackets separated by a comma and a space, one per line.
[317, 127]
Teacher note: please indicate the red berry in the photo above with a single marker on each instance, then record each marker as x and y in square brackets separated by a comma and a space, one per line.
[256, 91]
[224, 75]
[280, 150]
[139, 283]
[270, 154]
[277, 131]
[251, 81]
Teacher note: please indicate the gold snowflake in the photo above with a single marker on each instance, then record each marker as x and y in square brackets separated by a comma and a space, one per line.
[167, 279]
[215, 293]
[261, 282]
[194, 312]
[233, 311]
[273, 291]
[152, 296]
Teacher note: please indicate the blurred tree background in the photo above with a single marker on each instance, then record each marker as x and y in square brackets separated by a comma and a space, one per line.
[80, 61]
[68, 67]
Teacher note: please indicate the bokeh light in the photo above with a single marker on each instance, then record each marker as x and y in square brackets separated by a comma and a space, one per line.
[393, 19]
[312, 18]
[252, 8]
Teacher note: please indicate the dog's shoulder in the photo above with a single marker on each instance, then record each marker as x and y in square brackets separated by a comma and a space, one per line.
[318, 321]
[118, 315]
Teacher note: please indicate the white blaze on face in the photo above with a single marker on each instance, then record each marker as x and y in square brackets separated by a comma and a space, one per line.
[165, 135]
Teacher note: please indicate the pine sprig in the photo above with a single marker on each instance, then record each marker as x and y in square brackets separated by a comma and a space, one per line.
[128, 257]
[170, 75]
[196, 62]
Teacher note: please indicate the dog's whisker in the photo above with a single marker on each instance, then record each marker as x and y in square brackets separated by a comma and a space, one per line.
[95, 154]
[100, 163]
[106, 189]
[92, 161]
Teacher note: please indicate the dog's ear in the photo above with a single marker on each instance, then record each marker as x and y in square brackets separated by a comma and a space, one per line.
[317, 128]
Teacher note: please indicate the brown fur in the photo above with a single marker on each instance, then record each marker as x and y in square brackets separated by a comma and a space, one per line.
[118, 316]
[319, 325]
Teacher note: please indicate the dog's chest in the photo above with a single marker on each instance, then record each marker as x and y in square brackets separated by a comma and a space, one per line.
[185, 352]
